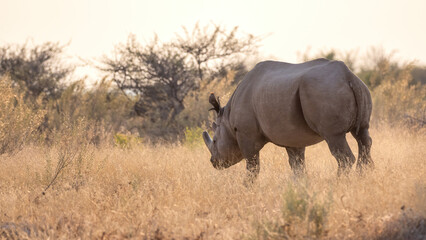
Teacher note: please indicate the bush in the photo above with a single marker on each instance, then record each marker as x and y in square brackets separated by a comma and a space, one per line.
[105, 109]
[397, 100]
[126, 141]
[37, 70]
[74, 154]
[18, 121]
[304, 215]
[193, 137]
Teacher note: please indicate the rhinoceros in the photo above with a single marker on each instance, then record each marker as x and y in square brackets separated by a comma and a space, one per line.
[292, 106]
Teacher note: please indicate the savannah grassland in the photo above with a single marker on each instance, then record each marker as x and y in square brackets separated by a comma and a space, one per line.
[172, 191]
[79, 181]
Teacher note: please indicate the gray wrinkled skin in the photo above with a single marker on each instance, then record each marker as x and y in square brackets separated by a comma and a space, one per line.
[293, 106]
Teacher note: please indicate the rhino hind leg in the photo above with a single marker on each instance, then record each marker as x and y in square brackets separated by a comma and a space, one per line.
[296, 159]
[342, 152]
[364, 145]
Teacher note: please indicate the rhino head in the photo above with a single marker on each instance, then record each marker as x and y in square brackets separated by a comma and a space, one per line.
[224, 146]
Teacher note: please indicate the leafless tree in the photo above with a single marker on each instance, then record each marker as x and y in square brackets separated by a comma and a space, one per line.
[157, 72]
[162, 74]
[214, 50]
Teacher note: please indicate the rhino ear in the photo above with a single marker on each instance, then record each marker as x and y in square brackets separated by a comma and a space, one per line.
[214, 102]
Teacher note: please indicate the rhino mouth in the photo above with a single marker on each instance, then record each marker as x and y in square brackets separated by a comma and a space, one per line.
[217, 164]
[221, 164]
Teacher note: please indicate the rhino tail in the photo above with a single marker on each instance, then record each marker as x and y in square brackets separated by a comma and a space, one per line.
[362, 99]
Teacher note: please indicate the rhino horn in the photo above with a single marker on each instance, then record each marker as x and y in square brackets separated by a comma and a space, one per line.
[207, 140]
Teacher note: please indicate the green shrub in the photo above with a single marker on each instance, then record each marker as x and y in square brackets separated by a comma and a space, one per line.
[304, 215]
[126, 141]
[295, 204]
[193, 137]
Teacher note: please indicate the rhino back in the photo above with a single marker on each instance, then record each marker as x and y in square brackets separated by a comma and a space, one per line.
[269, 101]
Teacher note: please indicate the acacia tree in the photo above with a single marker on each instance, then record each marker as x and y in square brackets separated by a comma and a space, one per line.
[36, 70]
[157, 73]
[162, 74]
[214, 50]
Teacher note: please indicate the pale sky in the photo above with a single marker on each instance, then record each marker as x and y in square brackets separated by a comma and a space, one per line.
[94, 27]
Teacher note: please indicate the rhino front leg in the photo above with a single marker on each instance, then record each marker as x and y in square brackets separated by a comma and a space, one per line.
[253, 167]
[250, 145]
[296, 159]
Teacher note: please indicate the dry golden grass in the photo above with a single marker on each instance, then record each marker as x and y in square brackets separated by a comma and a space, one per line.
[173, 192]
